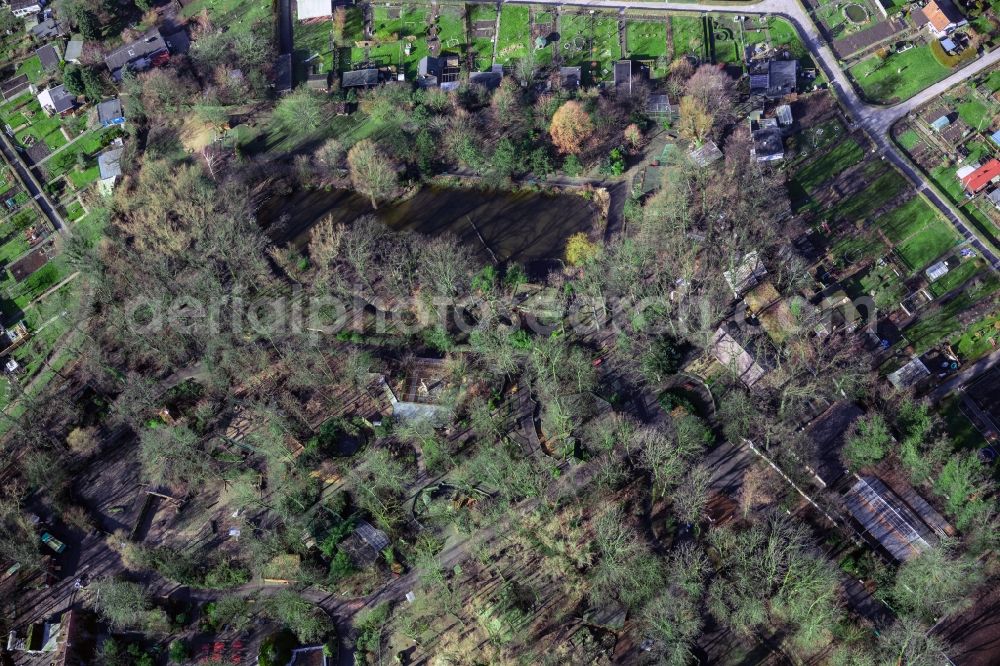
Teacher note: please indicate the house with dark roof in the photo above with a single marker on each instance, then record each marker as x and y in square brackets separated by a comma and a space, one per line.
[22, 8]
[489, 80]
[940, 16]
[109, 165]
[438, 71]
[766, 143]
[148, 51]
[109, 112]
[570, 77]
[49, 57]
[360, 78]
[74, 49]
[16, 86]
[47, 29]
[781, 77]
[623, 74]
[56, 100]
[707, 153]
[978, 179]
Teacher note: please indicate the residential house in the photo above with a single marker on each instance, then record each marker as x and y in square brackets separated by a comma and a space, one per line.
[570, 77]
[47, 28]
[940, 16]
[109, 166]
[74, 49]
[56, 100]
[977, 180]
[12, 336]
[15, 87]
[314, 9]
[777, 79]
[49, 57]
[438, 71]
[994, 197]
[148, 51]
[22, 8]
[766, 140]
[707, 153]
[109, 112]
[360, 78]
[489, 80]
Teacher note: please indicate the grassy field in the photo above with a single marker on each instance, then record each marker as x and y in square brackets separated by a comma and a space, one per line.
[32, 67]
[689, 37]
[646, 40]
[956, 277]
[237, 15]
[900, 76]
[514, 40]
[927, 244]
[975, 113]
[942, 322]
[882, 190]
[586, 39]
[980, 339]
[909, 140]
[907, 220]
[42, 127]
[845, 154]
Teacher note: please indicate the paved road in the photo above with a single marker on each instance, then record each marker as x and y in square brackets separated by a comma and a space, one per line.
[31, 183]
[965, 376]
[876, 120]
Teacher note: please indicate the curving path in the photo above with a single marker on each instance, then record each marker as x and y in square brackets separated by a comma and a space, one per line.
[875, 119]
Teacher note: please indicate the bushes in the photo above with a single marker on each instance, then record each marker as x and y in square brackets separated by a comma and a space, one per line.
[949, 60]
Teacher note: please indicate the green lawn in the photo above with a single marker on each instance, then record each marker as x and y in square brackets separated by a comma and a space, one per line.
[900, 76]
[451, 29]
[908, 219]
[982, 338]
[689, 36]
[943, 322]
[42, 128]
[83, 178]
[412, 21]
[993, 80]
[235, 15]
[585, 39]
[32, 67]
[74, 211]
[928, 244]
[975, 113]
[955, 277]
[646, 40]
[909, 140]
[514, 40]
[882, 189]
[845, 154]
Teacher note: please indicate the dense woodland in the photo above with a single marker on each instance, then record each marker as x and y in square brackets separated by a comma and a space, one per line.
[611, 515]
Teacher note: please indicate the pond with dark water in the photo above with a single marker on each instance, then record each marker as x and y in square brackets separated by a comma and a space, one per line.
[526, 226]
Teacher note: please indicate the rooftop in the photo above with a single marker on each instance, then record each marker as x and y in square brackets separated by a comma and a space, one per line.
[890, 520]
[981, 177]
[147, 46]
[310, 9]
[109, 163]
[49, 57]
[360, 78]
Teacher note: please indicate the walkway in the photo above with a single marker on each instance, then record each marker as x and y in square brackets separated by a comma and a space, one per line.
[960, 379]
[31, 183]
[874, 119]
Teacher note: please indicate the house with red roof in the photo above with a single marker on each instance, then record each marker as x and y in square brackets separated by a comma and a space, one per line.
[975, 181]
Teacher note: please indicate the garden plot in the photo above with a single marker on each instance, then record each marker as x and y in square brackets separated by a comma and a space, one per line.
[482, 24]
[647, 40]
[542, 25]
[846, 17]
[514, 41]
[899, 76]
[234, 15]
[688, 34]
[36, 128]
[590, 41]
[918, 232]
